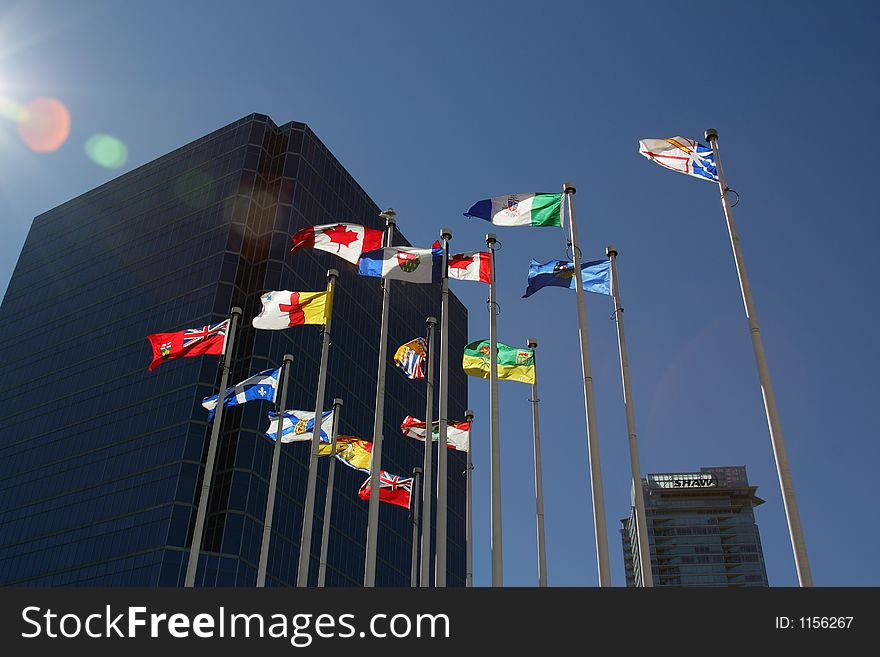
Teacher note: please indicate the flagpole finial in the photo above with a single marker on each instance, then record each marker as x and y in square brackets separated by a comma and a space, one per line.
[288, 358]
[388, 215]
[337, 402]
[710, 134]
[611, 251]
[468, 415]
[235, 311]
[446, 234]
[491, 239]
[332, 273]
[431, 321]
[532, 343]
[417, 471]
[569, 188]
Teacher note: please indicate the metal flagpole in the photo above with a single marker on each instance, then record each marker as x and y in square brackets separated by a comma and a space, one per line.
[799, 546]
[590, 405]
[376, 458]
[469, 493]
[328, 498]
[273, 477]
[427, 488]
[440, 568]
[638, 494]
[198, 531]
[494, 427]
[539, 483]
[414, 561]
[305, 544]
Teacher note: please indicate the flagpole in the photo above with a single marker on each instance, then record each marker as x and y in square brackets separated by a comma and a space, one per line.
[589, 405]
[328, 497]
[494, 427]
[440, 568]
[469, 493]
[798, 544]
[376, 458]
[539, 483]
[427, 488]
[273, 477]
[414, 561]
[644, 547]
[198, 531]
[305, 544]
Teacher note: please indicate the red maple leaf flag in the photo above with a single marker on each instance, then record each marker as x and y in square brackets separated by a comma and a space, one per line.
[347, 241]
[475, 266]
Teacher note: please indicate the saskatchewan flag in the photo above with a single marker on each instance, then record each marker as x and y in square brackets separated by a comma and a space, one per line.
[514, 363]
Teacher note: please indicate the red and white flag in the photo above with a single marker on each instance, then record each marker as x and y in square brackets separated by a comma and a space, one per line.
[189, 342]
[393, 489]
[458, 432]
[347, 241]
[475, 266]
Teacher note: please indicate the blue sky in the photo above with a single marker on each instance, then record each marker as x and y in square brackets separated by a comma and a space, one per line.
[434, 107]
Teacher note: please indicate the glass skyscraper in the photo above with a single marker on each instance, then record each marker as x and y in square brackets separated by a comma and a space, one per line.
[101, 461]
[701, 530]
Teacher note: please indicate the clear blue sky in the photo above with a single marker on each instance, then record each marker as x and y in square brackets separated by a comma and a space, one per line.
[432, 107]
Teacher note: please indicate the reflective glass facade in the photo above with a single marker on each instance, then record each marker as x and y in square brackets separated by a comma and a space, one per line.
[101, 461]
[701, 529]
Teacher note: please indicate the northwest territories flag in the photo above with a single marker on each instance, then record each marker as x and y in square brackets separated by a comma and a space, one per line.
[259, 386]
[299, 425]
[535, 209]
[682, 155]
[595, 276]
[403, 263]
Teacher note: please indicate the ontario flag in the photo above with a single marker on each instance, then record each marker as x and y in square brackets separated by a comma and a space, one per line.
[347, 241]
[189, 342]
[393, 489]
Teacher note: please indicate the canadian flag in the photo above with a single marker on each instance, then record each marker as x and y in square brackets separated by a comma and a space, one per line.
[347, 241]
[474, 266]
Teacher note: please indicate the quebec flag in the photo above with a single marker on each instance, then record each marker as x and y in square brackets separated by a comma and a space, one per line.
[683, 155]
[259, 386]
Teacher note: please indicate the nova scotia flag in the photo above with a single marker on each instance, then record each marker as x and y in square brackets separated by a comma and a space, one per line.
[259, 386]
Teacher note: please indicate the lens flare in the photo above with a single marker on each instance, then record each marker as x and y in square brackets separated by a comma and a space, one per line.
[44, 125]
[106, 151]
[9, 109]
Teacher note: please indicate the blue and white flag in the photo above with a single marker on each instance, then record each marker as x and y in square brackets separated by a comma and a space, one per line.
[683, 155]
[299, 425]
[595, 276]
[403, 263]
[259, 386]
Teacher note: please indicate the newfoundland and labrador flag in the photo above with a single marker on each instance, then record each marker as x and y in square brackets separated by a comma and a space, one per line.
[393, 489]
[259, 386]
[514, 363]
[283, 309]
[595, 276]
[347, 241]
[403, 263]
[535, 209]
[458, 432]
[682, 155]
[186, 343]
[299, 425]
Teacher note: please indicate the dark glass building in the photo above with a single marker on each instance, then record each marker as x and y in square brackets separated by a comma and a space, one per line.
[101, 461]
[701, 529]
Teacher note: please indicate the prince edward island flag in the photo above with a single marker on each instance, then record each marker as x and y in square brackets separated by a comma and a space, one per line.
[535, 209]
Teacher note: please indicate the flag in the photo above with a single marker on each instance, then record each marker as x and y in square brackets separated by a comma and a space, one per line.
[353, 452]
[259, 386]
[393, 489]
[411, 358]
[514, 363]
[403, 263]
[595, 276]
[299, 425]
[347, 241]
[284, 309]
[682, 155]
[458, 432]
[535, 209]
[474, 266]
[186, 343]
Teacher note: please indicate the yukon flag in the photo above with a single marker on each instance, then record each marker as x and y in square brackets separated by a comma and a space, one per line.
[683, 155]
[536, 209]
[347, 241]
[284, 309]
[393, 489]
[458, 432]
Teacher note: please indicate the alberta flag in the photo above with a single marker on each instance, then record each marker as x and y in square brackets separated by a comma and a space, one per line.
[535, 209]
[683, 155]
[299, 425]
[259, 386]
[403, 263]
[595, 276]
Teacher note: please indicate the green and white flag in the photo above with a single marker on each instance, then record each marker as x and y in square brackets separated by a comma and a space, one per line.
[535, 209]
[514, 363]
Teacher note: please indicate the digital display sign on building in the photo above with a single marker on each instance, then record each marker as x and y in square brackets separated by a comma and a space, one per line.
[682, 480]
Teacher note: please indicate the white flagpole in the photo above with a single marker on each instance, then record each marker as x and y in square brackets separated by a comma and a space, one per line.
[440, 568]
[305, 544]
[328, 498]
[273, 477]
[644, 547]
[414, 559]
[590, 405]
[198, 532]
[796, 532]
[427, 481]
[494, 428]
[469, 492]
[539, 483]
[376, 456]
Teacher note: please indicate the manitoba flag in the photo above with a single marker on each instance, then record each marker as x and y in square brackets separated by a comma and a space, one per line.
[474, 266]
[186, 343]
[393, 489]
[347, 241]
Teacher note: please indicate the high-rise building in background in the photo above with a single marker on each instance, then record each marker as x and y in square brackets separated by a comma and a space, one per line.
[101, 461]
[702, 531]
